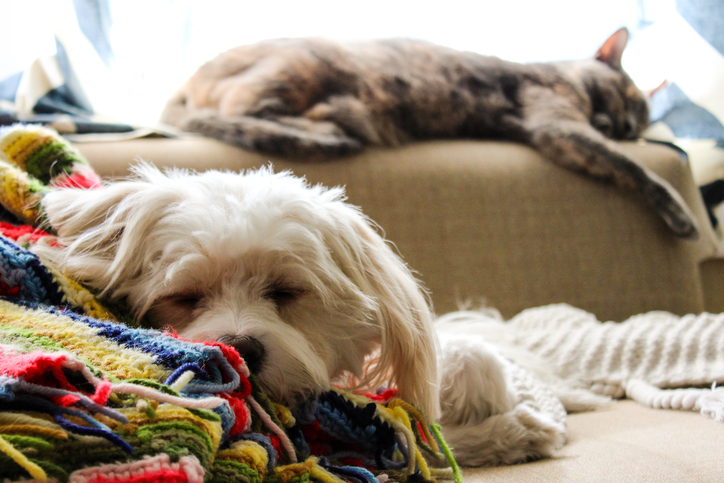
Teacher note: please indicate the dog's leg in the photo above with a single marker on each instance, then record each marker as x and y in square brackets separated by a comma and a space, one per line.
[494, 412]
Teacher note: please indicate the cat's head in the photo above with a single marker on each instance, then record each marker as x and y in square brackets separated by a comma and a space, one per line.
[619, 109]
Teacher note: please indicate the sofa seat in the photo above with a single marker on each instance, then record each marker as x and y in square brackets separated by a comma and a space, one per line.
[626, 443]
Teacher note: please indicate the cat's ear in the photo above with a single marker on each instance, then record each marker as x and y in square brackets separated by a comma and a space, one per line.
[649, 93]
[612, 49]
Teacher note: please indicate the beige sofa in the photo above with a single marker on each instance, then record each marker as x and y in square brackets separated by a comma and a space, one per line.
[494, 222]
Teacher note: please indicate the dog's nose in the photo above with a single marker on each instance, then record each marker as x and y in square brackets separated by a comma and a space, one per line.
[249, 348]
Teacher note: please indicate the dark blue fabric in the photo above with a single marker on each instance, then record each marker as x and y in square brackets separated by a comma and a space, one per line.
[73, 93]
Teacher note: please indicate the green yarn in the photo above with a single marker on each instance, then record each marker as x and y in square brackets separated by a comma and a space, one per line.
[55, 157]
[22, 442]
[177, 439]
[154, 385]
[457, 475]
[11, 471]
[225, 471]
[205, 414]
[26, 338]
[76, 452]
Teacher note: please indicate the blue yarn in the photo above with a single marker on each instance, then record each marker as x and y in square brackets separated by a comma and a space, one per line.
[6, 388]
[189, 366]
[296, 436]
[228, 418]
[214, 373]
[170, 352]
[348, 422]
[221, 369]
[104, 432]
[23, 402]
[305, 412]
[265, 442]
[338, 424]
[21, 268]
[25, 387]
[352, 473]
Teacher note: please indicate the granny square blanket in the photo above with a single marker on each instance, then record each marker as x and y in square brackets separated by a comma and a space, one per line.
[87, 399]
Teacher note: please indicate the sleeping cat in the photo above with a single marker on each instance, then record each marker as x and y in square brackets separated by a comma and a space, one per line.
[316, 97]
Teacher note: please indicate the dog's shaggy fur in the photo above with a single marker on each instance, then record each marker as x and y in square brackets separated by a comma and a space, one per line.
[300, 283]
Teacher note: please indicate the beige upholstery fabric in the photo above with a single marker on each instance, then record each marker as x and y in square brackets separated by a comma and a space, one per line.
[494, 221]
[626, 443]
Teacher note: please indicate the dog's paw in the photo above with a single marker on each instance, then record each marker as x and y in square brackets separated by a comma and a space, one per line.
[517, 436]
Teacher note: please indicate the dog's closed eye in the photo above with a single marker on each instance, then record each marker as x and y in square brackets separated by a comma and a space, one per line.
[281, 294]
[188, 301]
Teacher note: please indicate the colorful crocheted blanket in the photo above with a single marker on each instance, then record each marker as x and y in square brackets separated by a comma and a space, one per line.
[85, 399]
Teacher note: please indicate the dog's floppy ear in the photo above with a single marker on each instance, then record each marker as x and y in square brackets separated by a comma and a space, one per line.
[409, 347]
[103, 229]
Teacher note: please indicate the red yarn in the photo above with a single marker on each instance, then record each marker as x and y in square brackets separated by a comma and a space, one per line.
[317, 441]
[229, 353]
[383, 396]
[235, 400]
[161, 476]
[103, 391]
[77, 180]
[65, 401]
[34, 365]
[46, 370]
[355, 462]
[16, 231]
[6, 289]
[421, 433]
[274, 439]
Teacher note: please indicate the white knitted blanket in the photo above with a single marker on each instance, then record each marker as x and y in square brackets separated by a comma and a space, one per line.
[658, 359]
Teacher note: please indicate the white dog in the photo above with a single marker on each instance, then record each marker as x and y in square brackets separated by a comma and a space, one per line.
[300, 283]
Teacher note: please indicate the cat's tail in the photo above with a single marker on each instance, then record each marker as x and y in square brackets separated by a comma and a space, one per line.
[284, 136]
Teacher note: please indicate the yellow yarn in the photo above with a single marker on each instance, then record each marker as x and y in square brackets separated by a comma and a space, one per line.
[320, 474]
[79, 338]
[388, 415]
[15, 194]
[403, 418]
[78, 296]
[284, 415]
[33, 430]
[249, 452]
[288, 472]
[22, 460]
[166, 413]
[415, 413]
[16, 144]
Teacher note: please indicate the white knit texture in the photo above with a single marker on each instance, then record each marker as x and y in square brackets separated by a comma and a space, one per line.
[635, 358]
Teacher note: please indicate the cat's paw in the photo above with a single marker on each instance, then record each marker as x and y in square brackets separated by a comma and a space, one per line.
[674, 211]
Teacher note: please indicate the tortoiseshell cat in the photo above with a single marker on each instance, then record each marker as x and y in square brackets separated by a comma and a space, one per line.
[312, 97]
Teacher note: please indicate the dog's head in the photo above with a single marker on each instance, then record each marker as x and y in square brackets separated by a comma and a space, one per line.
[296, 279]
